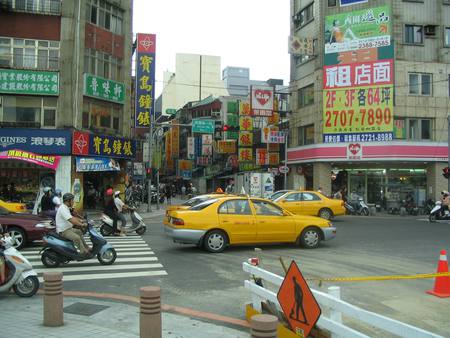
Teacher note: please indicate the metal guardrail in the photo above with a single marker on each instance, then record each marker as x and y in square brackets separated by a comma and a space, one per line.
[337, 308]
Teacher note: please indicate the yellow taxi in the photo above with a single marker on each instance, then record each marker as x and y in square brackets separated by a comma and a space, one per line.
[189, 203]
[13, 206]
[311, 203]
[219, 222]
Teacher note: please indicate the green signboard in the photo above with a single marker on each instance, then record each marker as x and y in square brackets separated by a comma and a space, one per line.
[104, 89]
[364, 29]
[203, 126]
[29, 82]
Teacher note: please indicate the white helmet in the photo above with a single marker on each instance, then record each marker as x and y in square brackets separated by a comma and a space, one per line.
[117, 193]
[47, 189]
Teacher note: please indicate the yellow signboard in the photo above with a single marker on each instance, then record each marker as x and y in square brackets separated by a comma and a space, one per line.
[245, 154]
[226, 147]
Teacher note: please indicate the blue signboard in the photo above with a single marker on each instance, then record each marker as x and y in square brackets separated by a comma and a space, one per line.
[96, 164]
[351, 2]
[145, 79]
[38, 141]
[110, 146]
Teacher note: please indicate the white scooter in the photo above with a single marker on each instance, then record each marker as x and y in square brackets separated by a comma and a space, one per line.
[138, 225]
[19, 272]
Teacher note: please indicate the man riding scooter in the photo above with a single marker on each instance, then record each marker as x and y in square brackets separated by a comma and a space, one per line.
[69, 226]
[111, 210]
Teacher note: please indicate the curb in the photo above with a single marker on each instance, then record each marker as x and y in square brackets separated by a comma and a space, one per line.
[212, 317]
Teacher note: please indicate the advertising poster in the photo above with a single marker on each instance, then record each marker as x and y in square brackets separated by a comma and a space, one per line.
[245, 155]
[245, 139]
[262, 100]
[358, 77]
[145, 79]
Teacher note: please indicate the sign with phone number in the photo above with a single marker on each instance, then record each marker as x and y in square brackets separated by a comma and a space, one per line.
[358, 110]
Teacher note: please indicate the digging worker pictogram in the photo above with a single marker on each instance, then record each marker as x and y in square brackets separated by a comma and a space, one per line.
[298, 305]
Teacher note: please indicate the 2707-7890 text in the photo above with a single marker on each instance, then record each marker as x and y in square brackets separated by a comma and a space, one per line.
[363, 116]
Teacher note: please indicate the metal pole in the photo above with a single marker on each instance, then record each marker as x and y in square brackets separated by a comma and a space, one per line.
[286, 133]
[448, 140]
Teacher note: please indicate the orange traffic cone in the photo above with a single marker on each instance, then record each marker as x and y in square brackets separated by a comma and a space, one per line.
[442, 283]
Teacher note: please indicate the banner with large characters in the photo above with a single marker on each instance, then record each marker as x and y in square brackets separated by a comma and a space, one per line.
[358, 77]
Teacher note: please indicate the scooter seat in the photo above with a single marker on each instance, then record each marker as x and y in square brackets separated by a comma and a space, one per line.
[58, 236]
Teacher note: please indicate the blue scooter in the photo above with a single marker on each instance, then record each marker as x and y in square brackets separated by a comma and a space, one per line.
[59, 250]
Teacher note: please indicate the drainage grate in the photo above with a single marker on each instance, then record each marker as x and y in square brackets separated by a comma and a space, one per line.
[84, 309]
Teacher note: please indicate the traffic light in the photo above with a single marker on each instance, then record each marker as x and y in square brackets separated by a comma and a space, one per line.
[148, 172]
[225, 128]
[446, 172]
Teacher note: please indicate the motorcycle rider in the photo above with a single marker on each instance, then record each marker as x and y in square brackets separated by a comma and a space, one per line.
[47, 206]
[121, 207]
[111, 209]
[66, 223]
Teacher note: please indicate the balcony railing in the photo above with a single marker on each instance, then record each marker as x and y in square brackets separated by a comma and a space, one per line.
[46, 7]
[29, 62]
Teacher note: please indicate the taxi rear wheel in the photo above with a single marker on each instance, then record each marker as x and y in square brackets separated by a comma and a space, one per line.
[310, 238]
[326, 213]
[215, 241]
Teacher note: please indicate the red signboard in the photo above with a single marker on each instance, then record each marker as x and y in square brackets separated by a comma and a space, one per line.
[298, 303]
[146, 43]
[80, 143]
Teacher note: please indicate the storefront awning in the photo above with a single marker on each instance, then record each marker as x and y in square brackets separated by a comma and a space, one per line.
[89, 164]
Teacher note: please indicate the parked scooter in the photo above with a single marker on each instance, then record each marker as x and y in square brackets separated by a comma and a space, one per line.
[137, 224]
[439, 212]
[20, 275]
[59, 250]
[357, 207]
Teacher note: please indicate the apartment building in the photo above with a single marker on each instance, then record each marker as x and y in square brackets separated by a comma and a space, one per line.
[370, 104]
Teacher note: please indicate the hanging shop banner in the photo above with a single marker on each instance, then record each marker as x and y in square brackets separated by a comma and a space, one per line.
[232, 120]
[274, 119]
[29, 82]
[358, 100]
[207, 150]
[204, 161]
[400, 129]
[86, 164]
[168, 145]
[245, 139]
[245, 155]
[226, 147]
[175, 140]
[271, 135]
[245, 123]
[185, 169]
[104, 89]
[145, 79]
[274, 158]
[203, 126]
[369, 28]
[46, 161]
[262, 156]
[207, 139]
[300, 46]
[244, 109]
[262, 100]
[111, 146]
[191, 148]
[39, 141]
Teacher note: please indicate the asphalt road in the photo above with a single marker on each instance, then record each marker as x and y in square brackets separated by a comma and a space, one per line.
[364, 246]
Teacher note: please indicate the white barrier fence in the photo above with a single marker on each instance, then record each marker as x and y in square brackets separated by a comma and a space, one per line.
[336, 307]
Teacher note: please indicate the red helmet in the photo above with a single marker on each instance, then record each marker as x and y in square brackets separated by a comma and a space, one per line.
[109, 192]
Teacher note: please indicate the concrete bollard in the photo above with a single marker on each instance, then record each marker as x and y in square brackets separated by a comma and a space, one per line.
[53, 299]
[263, 326]
[150, 325]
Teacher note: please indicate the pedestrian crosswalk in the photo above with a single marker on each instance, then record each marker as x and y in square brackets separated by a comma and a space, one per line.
[134, 259]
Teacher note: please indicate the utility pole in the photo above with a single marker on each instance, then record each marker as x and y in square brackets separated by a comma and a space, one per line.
[286, 138]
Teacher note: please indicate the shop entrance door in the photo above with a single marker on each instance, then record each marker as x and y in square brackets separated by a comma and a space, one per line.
[375, 186]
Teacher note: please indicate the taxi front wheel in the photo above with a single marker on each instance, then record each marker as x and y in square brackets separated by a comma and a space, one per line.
[310, 238]
[215, 241]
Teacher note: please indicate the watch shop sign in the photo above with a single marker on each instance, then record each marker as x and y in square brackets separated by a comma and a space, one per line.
[38, 141]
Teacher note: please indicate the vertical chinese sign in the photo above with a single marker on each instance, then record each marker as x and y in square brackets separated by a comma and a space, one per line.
[145, 79]
[358, 77]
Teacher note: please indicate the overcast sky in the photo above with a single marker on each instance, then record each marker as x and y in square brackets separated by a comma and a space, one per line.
[244, 33]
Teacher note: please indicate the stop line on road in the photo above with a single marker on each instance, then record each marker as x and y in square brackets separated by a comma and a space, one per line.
[134, 259]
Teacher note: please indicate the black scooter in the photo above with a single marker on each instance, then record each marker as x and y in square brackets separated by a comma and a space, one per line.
[59, 250]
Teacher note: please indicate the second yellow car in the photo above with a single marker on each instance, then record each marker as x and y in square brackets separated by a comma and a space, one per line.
[13, 206]
[311, 203]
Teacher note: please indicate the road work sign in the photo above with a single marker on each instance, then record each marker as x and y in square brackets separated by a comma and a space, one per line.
[298, 303]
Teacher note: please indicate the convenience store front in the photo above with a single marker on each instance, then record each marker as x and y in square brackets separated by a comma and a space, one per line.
[383, 173]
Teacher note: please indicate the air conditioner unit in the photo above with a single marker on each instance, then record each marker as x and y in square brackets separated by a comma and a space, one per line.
[430, 30]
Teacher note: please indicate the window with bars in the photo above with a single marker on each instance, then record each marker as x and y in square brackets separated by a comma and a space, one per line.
[26, 53]
[105, 15]
[35, 6]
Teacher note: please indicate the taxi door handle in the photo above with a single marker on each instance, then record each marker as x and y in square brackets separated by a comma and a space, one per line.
[241, 223]
[225, 221]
